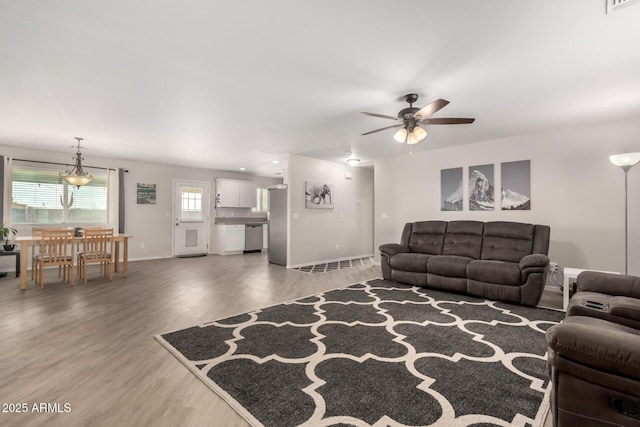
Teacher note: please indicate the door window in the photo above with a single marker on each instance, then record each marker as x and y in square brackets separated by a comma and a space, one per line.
[191, 204]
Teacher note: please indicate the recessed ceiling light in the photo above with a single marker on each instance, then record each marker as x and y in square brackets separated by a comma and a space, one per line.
[275, 162]
[243, 169]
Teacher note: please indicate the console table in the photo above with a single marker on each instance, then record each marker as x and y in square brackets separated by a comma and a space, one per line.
[17, 255]
[570, 276]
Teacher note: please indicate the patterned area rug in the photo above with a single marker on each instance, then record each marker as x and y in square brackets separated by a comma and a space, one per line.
[337, 265]
[377, 353]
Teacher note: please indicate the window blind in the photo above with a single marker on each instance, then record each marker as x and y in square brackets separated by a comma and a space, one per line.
[41, 196]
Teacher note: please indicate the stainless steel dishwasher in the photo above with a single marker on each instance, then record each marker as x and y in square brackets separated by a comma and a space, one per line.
[253, 237]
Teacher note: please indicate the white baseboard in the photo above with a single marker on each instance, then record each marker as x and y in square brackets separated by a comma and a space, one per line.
[149, 258]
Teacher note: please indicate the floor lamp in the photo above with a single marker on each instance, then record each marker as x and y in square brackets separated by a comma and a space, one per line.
[626, 161]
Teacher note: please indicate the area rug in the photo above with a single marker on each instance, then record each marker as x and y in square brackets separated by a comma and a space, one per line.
[376, 354]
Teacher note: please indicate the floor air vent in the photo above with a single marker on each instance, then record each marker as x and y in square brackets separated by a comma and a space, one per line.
[613, 5]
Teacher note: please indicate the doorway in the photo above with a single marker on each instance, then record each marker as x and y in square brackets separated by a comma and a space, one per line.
[191, 213]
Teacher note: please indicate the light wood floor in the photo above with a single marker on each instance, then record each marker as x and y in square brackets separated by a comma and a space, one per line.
[92, 346]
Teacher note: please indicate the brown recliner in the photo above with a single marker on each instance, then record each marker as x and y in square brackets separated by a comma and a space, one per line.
[594, 354]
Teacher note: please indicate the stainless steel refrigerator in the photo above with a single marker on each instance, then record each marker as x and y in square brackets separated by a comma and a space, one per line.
[277, 231]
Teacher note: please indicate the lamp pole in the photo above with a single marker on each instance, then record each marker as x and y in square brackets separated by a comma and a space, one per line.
[626, 161]
[626, 223]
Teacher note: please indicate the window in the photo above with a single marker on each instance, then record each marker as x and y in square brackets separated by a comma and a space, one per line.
[262, 204]
[191, 204]
[40, 196]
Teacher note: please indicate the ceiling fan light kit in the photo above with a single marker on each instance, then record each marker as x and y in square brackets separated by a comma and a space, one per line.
[401, 135]
[411, 117]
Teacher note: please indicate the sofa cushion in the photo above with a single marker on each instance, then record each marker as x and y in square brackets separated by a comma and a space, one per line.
[463, 238]
[451, 284]
[448, 265]
[409, 278]
[427, 237]
[410, 262]
[507, 241]
[499, 272]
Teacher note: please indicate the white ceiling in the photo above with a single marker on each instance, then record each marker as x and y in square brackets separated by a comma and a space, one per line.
[224, 85]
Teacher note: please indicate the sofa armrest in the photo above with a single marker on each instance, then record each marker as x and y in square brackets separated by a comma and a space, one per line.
[608, 283]
[390, 249]
[597, 343]
[534, 260]
[626, 307]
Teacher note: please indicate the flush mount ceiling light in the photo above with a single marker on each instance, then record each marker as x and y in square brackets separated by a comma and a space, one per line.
[77, 176]
[412, 117]
[353, 162]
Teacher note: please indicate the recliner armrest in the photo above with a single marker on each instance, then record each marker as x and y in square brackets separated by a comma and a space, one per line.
[625, 307]
[597, 343]
[390, 249]
[608, 283]
[534, 260]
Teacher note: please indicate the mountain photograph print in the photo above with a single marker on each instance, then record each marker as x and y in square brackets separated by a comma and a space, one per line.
[481, 188]
[451, 189]
[516, 185]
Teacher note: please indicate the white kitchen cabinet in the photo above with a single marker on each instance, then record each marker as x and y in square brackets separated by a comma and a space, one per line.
[229, 238]
[227, 193]
[248, 194]
[233, 193]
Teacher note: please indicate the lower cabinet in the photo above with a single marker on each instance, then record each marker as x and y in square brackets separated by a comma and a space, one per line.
[229, 239]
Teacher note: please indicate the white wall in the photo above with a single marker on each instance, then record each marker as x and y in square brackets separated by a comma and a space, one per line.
[574, 189]
[314, 233]
[151, 225]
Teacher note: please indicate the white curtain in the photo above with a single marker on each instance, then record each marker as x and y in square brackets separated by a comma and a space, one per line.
[113, 207]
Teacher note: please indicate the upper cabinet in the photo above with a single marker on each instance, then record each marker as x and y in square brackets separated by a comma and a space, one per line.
[233, 193]
[248, 194]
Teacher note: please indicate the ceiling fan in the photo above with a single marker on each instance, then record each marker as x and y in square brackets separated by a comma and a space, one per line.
[412, 117]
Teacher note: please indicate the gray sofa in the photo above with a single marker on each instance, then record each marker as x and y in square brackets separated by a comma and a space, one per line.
[497, 260]
[594, 354]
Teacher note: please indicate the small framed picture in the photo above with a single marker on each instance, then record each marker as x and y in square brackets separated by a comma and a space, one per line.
[146, 194]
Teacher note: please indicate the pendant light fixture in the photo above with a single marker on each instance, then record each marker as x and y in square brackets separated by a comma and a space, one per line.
[77, 176]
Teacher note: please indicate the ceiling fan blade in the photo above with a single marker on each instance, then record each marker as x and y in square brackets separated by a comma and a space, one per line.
[385, 128]
[430, 109]
[447, 121]
[383, 116]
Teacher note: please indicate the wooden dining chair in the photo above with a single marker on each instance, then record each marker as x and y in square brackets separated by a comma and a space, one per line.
[55, 249]
[37, 232]
[97, 248]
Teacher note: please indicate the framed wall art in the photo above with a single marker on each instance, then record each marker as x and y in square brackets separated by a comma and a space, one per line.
[451, 189]
[481, 191]
[318, 195]
[516, 185]
[146, 194]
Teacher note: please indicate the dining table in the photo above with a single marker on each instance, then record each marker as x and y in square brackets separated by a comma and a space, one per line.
[27, 242]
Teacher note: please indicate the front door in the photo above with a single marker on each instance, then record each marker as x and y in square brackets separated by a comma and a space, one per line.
[191, 210]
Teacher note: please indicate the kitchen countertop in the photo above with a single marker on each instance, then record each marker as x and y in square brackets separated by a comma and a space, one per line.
[239, 220]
